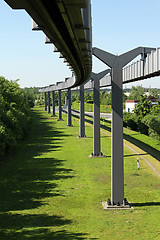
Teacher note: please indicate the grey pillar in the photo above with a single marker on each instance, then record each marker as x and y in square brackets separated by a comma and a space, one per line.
[41, 97]
[69, 108]
[82, 119]
[117, 181]
[96, 124]
[60, 107]
[49, 103]
[45, 96]
[96, 138]
[117, 63]
[53, 104]
[66, 98]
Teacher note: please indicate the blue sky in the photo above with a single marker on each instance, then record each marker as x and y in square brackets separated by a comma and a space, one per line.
[118, 26]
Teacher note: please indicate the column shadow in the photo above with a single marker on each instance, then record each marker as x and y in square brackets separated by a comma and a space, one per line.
[146, 204]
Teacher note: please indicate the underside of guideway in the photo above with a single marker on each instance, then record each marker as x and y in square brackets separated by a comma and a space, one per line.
[67, 24]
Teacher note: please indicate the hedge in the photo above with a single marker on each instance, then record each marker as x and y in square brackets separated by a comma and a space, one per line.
[14, 114]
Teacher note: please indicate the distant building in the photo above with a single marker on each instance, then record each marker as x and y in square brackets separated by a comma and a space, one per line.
[131, 104]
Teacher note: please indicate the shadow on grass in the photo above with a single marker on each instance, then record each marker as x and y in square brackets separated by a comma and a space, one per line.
[35, 227]
[134, 154]
[130, 138]
[27, 178]
[146, 204]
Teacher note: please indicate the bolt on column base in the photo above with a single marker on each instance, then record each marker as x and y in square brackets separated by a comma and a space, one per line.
[97, 155]
[126, 205]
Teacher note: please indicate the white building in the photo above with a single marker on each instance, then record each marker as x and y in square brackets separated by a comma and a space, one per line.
[130, 105]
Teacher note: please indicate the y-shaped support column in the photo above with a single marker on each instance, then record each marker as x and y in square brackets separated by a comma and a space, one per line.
[53, 104]
[96, 124]
[49, 103]
[82, 120]
[117, 63]
[69, 109]
[60, 107]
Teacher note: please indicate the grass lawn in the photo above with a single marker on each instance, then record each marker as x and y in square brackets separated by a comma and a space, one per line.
[50, 188]
[89, 107]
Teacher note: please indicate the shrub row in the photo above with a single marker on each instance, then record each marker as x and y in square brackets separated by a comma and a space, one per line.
[14, 114]
[148, 125]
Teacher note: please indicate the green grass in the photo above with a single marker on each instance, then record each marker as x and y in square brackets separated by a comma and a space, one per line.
[50, 188]
[89, 107]
[148, 144]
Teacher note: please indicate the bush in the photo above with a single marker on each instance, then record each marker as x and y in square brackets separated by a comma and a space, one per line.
[126, 117]
[153, 124]
[156, 109]
[131, 121]
[14, 114]
[143, 128]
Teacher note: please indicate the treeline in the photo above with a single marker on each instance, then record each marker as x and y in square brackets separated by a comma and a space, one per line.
[15, 105]
[105, 97]
[137, 91]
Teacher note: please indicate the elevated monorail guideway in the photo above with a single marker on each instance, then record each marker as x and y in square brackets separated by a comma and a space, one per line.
[148, 66]
[66, 24]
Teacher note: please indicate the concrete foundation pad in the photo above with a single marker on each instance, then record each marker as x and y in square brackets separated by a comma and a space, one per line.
[115, 207]
[97, 156]
[82, 137]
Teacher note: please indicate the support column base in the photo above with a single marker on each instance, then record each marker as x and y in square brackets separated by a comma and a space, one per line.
[60, 120]
[97, 155]
[69, 126]
[53, 115]
[108, 206]
[82, 137]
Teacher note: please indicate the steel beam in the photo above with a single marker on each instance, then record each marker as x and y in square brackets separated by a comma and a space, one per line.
[82, 119]
[49, 103]
[53, 104]
[59, 105]
[69, 109]
[45, 97]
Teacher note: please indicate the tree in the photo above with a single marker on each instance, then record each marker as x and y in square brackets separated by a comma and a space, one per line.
[124, 97]
[143, 107]
[156, 109]
[105, 98]
[136, 93]
[88, 96]
[154, 92]
[14, 114]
